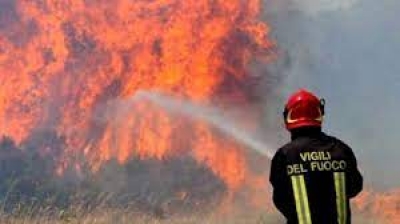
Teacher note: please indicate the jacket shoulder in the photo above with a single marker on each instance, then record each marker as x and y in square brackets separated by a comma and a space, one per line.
[339, 142]
[342, 146]
[289, 150]
[293, 146]
[285, 149]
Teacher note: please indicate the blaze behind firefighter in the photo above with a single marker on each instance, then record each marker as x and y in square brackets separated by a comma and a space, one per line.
[114, 111]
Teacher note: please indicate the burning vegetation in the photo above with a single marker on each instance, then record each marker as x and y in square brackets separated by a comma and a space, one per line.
[63, 63]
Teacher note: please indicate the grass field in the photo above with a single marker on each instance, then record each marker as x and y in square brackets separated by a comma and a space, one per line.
[121, 216]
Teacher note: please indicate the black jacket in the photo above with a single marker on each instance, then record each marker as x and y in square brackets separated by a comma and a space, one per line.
[313, 178]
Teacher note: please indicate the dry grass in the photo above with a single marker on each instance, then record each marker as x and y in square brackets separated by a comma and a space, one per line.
[106, 216]
[133, 218]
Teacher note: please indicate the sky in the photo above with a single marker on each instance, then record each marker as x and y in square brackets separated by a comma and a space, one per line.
[347, 51]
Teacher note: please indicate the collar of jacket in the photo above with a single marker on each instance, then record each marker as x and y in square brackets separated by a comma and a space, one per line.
[306, 132]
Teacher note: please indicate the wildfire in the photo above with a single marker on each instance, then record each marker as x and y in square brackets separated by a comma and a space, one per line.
[383, 205]
[63, 62]
[60, 61]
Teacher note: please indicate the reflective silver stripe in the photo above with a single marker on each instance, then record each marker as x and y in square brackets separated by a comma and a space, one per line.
[301, 199]
[341, 202]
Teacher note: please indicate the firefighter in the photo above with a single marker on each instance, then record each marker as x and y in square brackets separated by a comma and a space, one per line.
[315, 175]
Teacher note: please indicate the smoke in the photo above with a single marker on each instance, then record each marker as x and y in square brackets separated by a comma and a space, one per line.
[346, 51]
[316, 7]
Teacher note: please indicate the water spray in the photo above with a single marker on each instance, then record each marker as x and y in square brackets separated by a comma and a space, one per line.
[209, 115]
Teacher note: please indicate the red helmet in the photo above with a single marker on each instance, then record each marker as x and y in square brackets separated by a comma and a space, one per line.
[303, 109]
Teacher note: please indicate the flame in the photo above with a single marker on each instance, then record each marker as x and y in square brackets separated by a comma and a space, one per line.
[385, 206]
[63, 62]
[60, 61]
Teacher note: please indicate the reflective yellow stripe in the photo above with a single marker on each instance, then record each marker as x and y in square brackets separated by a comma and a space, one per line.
[344, 197]
[341, 203]
[301, 199]
[338, 198]
[299, 205]
[305, 200]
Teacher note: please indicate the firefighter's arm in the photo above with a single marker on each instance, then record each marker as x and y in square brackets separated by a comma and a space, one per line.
[354, 178]
[280, 184]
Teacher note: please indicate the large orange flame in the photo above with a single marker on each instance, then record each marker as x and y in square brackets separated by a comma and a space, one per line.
[62, 60]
